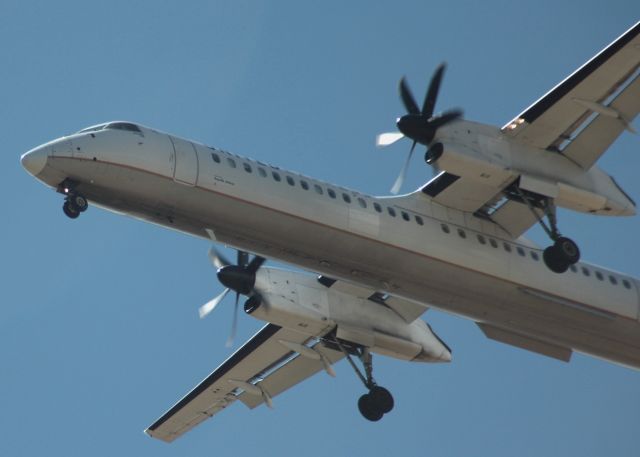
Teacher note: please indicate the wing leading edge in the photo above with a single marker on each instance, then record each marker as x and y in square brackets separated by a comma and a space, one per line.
[585, 113]
[261, 369]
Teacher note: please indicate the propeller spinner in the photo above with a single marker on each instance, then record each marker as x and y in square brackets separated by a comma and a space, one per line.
[419, 125]
[240, 278]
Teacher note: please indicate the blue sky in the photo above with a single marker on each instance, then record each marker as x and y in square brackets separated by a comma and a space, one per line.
[99, 332]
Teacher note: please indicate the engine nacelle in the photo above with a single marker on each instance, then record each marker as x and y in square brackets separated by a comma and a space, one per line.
[462, 161]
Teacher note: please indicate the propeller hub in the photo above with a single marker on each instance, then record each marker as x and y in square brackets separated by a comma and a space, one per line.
[237, 278]
[416, 127]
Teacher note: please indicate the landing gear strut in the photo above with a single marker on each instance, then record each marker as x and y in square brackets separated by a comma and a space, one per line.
[564, 252]
[74, 202]
[378, 401]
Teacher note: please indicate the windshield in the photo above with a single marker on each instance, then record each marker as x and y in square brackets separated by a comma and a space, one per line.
[128, 126]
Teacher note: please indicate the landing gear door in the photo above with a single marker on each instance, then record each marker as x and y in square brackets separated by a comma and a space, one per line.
[185, 162]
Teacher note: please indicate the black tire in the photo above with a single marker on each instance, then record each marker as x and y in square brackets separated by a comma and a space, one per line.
[382, 398]
[79, 202]
[554, 260]
[70, 210]
[567, 249]
[368, 408]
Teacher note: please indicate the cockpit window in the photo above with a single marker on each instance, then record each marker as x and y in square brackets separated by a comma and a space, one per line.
[129, 127]
[93, 128]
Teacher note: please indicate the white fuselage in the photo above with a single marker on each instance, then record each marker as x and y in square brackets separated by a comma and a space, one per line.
[408, 246]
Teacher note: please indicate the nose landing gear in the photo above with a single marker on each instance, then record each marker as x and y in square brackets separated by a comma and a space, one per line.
[74, 202]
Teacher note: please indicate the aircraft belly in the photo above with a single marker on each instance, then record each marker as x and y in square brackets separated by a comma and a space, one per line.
[355, 257]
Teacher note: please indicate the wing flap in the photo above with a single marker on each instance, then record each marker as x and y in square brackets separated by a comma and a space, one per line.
[514, 217]
[288, 375]
[407, 309]
[595, 139]
[525, 342]
[253, 363]
[460, 193]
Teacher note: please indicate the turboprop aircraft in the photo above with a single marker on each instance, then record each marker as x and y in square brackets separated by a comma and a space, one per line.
[454, 244]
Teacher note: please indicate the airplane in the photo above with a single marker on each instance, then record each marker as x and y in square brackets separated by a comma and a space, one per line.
[455, 244]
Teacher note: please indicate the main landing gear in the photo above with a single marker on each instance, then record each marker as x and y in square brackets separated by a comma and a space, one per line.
[564, 252]
[378, 401]
[74, 202]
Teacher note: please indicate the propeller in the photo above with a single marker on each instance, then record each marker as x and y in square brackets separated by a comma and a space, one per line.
[239, 278]
[419, 124]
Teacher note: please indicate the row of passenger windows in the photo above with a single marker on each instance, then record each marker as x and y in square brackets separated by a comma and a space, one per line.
[405, 215]
[535, 256]
[317, 188]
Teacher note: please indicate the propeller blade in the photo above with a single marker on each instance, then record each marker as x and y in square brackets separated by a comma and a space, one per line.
[217, 259]
[432, 94]
[243, 258]
[400, 180]
[211, 304]
[385, 139]
[234, 323]
[407, 97]
[445, 118]
[255, 264]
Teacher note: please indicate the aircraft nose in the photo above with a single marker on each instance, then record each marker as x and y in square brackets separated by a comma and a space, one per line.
[35, 160]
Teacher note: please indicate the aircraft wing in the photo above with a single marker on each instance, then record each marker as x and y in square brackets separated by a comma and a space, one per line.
[586, 112]
[406, 309]
[261, 369]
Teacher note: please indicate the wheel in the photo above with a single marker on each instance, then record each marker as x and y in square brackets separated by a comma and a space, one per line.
[554, 260]
[382, 398]
[70, 210]
[79, 202]
[567, 249]
[369, 409]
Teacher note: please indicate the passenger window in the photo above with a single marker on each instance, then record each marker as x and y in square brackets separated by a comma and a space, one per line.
[405, 216]
[215, 157]
[304, 184]
[346, 198]
[445, 228]
[534, 255]
[377, 207]
[231, 162]
[626, 284]
[276, 176]
[362, 203]
[613, 280]
[290, 181]
[462, 233]
[507, 247]
[246, 167]
[573, 268]
[391, 211]
[261, 172]
[331, 193]
[493, 243]
[585, 271]
[599, 276]
[419, 220]
[318, 189]
[520, 251]
[482, 239]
